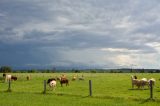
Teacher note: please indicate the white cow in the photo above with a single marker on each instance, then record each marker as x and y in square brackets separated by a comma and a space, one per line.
[52, 84]
[7, 78]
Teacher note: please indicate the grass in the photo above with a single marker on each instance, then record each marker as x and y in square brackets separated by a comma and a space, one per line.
[108, 89]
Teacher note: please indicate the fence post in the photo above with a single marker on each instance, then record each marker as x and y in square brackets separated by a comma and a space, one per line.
[9, 85]
[44, 87]
[151, 89]
[90, 87]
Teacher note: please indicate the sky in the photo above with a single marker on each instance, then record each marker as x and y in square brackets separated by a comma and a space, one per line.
[80, 33]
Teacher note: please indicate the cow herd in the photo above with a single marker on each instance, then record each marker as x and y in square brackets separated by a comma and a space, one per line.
[52, 82]
[8, 77]
[141, 83]
[62, 79]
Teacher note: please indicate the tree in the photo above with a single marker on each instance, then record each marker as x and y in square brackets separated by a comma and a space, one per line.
[93, 71]
[142, 71]
[5, 69]
[32, 71]
[157, 71]
[150, 71]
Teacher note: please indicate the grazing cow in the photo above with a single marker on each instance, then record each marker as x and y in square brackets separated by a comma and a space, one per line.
[52, 83]
[81, 78]
[64, 81]
[140, 83]
[13, 78]
[28, 78]
[74, 78]
[7, 77]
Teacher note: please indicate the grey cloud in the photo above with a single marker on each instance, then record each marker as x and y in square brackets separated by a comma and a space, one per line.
[31, 29]
[86, 40]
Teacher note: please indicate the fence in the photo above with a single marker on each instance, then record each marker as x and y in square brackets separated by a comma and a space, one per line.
[44, 87]
[90, 87]
[9, 86]
[151, 89]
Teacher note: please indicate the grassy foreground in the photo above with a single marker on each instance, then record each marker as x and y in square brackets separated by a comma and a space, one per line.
[109, 89]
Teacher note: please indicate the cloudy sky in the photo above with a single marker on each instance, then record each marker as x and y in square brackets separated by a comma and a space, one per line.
[80, 33]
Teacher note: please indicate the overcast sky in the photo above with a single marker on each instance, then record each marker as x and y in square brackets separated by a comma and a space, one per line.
[80, 33]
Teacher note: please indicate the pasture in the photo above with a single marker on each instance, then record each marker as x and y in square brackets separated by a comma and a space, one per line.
[108, 89]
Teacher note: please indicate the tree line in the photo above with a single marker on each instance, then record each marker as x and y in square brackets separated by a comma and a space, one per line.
[8, 69]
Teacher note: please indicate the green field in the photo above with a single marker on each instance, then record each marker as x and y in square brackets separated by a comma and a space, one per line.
[109, 89]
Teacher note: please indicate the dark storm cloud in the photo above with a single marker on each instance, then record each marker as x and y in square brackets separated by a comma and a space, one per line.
[60, 32]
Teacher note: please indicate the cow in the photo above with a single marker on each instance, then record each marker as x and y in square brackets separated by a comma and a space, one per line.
[81, 78]
[64, 81]
[28, 77]
[74, 78]
[13, 78]
[52, 83]
[7, 77]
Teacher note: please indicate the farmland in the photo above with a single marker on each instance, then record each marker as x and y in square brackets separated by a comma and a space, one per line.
[108, 89]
